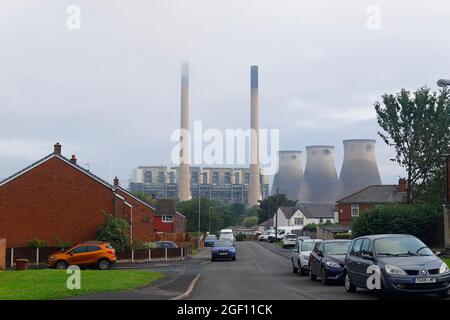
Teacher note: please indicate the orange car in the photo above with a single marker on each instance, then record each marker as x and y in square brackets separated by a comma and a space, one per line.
[88, 253]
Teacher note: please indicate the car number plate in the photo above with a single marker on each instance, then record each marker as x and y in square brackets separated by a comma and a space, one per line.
[425, 280]
[223, 253]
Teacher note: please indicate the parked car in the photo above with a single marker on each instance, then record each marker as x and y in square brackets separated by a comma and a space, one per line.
[289, 240]
[406, 265]
[300, 255]
[227, 234]
[210, 240]
[223, 249]
[326, 261]
[285, 230]
[89, 253]
[166, 244]
[272, 237]
[264, 235]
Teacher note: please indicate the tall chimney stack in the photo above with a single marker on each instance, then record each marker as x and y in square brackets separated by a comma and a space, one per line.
[254, 191]
[57, 148]
[183, 176]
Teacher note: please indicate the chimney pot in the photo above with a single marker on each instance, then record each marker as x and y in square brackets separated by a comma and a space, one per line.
[402, 185]
[57, 148]
[116, 182]
[73, 159]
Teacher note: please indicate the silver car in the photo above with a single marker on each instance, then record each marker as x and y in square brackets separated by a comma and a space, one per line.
[300, 255]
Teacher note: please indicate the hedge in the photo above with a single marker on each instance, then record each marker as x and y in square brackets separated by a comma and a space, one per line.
[417, 220]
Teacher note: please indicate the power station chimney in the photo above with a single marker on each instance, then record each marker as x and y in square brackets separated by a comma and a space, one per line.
[254, 191]
[183, 175]
[289, 176]
[359, 168]
[320, 179]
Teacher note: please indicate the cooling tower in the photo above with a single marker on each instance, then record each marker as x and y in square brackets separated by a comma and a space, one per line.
[320, 178]
[254, 192]
[359, 168]
[289, 176]
[183, 176]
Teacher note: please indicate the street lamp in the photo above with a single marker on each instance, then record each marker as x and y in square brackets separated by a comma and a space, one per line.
[443, 83]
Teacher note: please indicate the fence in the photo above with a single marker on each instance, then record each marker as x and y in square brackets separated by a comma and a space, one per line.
[39, 256]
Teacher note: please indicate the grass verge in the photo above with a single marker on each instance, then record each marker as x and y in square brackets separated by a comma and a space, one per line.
[447, 261]
[51, 284]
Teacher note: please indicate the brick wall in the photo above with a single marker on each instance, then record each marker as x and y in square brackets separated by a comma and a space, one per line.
[345, 212]
[2, 254]
[54, 201]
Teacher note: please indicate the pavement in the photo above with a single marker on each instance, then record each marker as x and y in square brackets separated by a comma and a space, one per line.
[178, 278]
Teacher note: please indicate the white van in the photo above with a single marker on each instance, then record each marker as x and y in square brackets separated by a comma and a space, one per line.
[283, 231]
[227, 234]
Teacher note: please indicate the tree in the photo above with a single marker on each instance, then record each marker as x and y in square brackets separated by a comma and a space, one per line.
[115, 231]
[268, 207]
[417, 126]
[250, 221]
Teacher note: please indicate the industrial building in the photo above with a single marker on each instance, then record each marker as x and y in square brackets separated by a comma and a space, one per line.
[224, 184]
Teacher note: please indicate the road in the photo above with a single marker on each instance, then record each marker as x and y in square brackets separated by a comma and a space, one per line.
[260, 273]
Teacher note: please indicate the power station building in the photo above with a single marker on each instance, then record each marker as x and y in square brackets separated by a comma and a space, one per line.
[224, 184]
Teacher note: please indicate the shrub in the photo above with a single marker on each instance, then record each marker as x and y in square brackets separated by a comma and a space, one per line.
[417, 220]
[115, 231]
[62, 244]
[240, 237]
[343, 235]
[36, 243]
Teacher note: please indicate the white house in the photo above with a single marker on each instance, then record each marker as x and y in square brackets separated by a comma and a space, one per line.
[304, 214]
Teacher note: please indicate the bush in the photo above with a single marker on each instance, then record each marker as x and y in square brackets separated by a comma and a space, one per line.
[417, 220]
[115, 231]
[36, 243]
[240, 237]
[343, 235]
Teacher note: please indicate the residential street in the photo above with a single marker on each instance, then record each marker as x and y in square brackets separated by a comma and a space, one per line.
[259, 273]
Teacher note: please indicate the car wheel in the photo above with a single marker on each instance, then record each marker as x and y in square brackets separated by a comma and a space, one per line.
[294, 268]
[312, 276]
[212, 259]
[323, 276]
[61, 265]
[104, 264]
[234, 258]
[302, 270]
[443, 294]
[349, 286]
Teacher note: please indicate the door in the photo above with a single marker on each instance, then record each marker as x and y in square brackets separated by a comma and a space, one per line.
[365, 261]
[77, 256]
[92, 254]
[315, 259]
[353, 262]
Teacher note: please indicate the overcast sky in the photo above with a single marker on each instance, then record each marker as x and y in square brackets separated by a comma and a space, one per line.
[112, 88]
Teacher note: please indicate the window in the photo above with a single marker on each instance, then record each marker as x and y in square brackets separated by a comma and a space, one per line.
[247, 178]
[236, 178]
[172, 177]
[356, 249]
[298, 221]
[227, 178]
[161, 177]
[205, 178]
[215, 177]
[320, 220]
[355, 210]
[79, 249]
[194, 177]
[167, 218]
[148, 177]
[93, 248]
[366, 247]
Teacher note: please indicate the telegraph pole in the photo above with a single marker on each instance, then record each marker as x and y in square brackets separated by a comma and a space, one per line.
[276, 217]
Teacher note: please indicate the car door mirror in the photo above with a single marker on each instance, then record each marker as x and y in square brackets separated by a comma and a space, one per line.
[366, 256]
[295, 250]
[437, 253]
[319, 253]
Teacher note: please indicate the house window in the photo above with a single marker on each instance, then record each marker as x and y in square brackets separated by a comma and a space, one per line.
[298, 221]
[167, 218]
[215, 177]
[355, 210]
[148, 177]
[227, 178]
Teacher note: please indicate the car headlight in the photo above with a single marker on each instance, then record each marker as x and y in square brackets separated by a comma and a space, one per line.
[333, 264]
[443, 268]
[305, 257]
[51, 258]
[394, 270]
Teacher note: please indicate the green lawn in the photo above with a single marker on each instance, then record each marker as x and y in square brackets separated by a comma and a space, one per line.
[51, 284]
[447, 261]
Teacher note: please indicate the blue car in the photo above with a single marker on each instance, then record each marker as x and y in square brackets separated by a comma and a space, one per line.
[327, 260]
[223, 249]
[210, 240]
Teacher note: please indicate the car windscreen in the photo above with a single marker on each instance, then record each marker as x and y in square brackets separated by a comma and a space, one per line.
[337, 248]
[291, 236]
[222, 243]
[401, 246]
[307, 246]
[211, 238]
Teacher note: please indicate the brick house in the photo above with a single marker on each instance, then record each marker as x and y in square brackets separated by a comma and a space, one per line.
[56, 200]
[359, 202]
[167, 218]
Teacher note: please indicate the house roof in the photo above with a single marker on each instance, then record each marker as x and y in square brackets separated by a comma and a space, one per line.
[76, 166]
[376, 194]
[335, 230]
[317, 210]
[288, 211]
[164, 206]
[267, 222]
